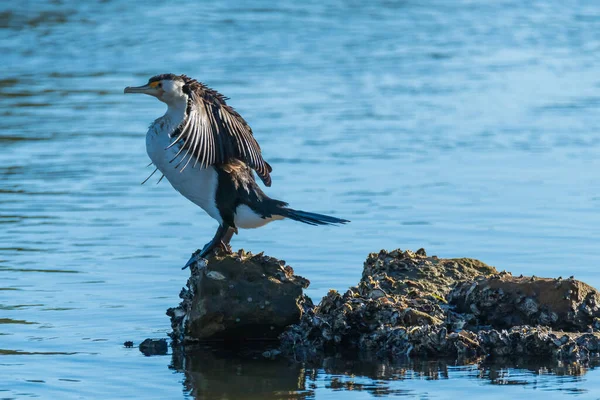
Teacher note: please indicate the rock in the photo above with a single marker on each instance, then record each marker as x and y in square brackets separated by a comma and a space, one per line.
[539, 342]
[154, 347]
[398, 309]
[405, 305]
[238, 296]
[408, 305]
[416, 274]
[504, 301]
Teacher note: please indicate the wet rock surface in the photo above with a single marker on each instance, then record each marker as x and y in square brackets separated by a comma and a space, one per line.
[407, 304]
[233, 296]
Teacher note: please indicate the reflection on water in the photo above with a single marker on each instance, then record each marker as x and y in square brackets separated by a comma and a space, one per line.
[469, 128]
[232, 373]
[236, 373]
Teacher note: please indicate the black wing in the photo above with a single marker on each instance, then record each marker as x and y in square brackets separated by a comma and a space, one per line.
[214, 133]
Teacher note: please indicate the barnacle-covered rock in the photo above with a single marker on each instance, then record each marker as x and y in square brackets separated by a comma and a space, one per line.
[416, 275]
[397, 309]
[539, 342]
[238, 296]
[503, 301]
[405, 305]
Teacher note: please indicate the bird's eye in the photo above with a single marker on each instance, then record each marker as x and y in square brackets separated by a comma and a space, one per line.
[160, 85]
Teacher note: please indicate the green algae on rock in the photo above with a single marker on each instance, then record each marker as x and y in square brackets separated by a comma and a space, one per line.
[416, 274]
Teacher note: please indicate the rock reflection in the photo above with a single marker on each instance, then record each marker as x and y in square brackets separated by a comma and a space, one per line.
[500, 371]
[378, 378]
[234, 372]
[387, 370]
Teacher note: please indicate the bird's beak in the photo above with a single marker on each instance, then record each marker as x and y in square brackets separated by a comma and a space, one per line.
[146, 89]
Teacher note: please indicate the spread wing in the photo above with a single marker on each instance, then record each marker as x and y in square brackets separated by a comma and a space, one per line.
[214, 133]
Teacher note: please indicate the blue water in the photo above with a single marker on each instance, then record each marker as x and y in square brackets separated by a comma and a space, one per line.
[469, 128]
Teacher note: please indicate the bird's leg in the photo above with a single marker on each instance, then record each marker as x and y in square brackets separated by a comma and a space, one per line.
[227, 238]
[223, 242]
[217, 241]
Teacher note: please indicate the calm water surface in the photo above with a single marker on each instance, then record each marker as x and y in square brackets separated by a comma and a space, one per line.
[470, 128]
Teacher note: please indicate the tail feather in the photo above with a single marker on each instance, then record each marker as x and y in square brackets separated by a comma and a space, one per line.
[311, 218]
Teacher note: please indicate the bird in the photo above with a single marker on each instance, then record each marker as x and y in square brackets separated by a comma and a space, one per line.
[208, 153]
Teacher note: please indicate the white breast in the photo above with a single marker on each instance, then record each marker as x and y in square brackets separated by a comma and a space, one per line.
[199, 185]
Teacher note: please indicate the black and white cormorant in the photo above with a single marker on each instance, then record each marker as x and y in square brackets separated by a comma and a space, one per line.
[207, 151]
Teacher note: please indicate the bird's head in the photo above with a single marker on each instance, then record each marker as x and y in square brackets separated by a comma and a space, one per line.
[167, 88]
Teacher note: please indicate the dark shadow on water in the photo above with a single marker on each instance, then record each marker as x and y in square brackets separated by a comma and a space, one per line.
[243, 372]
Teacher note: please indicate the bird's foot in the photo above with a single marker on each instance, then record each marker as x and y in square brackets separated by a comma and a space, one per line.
[199, 254]
[193, 259]
[206, 250]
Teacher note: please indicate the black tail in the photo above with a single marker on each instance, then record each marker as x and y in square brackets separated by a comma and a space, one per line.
[311, 218]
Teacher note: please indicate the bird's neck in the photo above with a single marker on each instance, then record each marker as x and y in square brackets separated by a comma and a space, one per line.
[176, 111]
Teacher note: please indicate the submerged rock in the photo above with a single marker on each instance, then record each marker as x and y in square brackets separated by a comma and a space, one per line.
[154, 347]
[238, 296]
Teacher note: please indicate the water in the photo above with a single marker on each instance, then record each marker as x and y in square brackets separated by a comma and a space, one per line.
[469, 128]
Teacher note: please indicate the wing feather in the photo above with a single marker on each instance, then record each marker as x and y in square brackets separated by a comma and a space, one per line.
[214, 133]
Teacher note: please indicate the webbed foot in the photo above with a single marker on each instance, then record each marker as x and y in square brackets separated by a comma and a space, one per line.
[206, 250]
